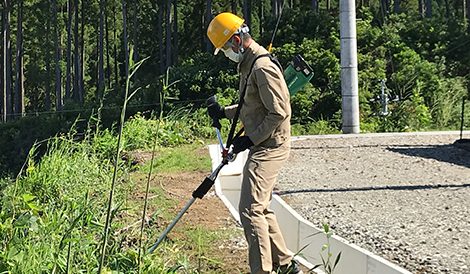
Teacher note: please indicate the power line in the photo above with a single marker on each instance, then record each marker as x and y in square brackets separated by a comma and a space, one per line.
[37, 113]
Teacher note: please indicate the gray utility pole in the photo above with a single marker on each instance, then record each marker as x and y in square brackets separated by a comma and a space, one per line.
[349, 86]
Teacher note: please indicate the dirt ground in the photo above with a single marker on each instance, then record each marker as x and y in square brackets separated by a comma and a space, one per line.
[209, 212]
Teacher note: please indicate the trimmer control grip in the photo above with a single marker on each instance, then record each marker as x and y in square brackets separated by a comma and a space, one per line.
[215, 122]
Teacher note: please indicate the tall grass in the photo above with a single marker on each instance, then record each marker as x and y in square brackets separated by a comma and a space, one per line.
[109, 212]
[181, 126]
[162, 95]
[56, 217]
[57, 201]
[53, 215]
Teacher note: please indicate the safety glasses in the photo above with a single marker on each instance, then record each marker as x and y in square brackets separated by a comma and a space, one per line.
[227, 45]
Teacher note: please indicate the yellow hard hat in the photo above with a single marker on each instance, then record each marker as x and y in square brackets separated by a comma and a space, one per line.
[222, 27]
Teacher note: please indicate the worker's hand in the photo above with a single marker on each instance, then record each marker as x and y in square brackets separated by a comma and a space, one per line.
[241, 143]
[215, 111]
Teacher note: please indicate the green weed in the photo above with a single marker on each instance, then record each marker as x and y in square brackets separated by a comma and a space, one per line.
[181, 158]
[328, 264]
[53, 213]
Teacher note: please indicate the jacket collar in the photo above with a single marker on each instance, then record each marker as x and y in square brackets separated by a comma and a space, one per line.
[253, 50]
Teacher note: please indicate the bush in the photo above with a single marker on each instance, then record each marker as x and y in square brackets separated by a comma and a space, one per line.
[17, 138]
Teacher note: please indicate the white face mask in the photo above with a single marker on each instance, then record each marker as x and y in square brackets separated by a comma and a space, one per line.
[230, 54]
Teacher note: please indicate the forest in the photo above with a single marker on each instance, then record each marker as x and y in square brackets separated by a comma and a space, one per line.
[72, 55]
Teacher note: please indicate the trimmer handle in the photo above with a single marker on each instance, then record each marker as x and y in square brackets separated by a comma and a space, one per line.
[215, 122]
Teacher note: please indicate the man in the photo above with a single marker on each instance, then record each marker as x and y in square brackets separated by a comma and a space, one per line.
[265, 112]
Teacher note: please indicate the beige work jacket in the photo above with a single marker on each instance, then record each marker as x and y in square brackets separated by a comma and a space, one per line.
[266, 111]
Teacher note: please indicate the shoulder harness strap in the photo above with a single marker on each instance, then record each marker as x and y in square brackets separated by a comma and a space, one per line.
[242, 95]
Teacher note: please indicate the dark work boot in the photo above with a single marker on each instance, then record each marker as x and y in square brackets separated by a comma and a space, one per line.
[292, 268]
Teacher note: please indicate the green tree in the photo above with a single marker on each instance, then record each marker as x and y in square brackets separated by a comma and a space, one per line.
[7, 75]
[19, 79]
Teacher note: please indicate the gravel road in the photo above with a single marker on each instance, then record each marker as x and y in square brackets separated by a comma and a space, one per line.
[404, 197]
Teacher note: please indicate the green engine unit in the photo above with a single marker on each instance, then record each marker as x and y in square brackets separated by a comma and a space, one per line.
[297, 74]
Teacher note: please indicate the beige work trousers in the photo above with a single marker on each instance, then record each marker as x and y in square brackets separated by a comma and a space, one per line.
[265, 241]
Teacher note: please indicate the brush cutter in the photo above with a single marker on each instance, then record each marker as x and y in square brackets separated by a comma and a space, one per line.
[297, 74]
